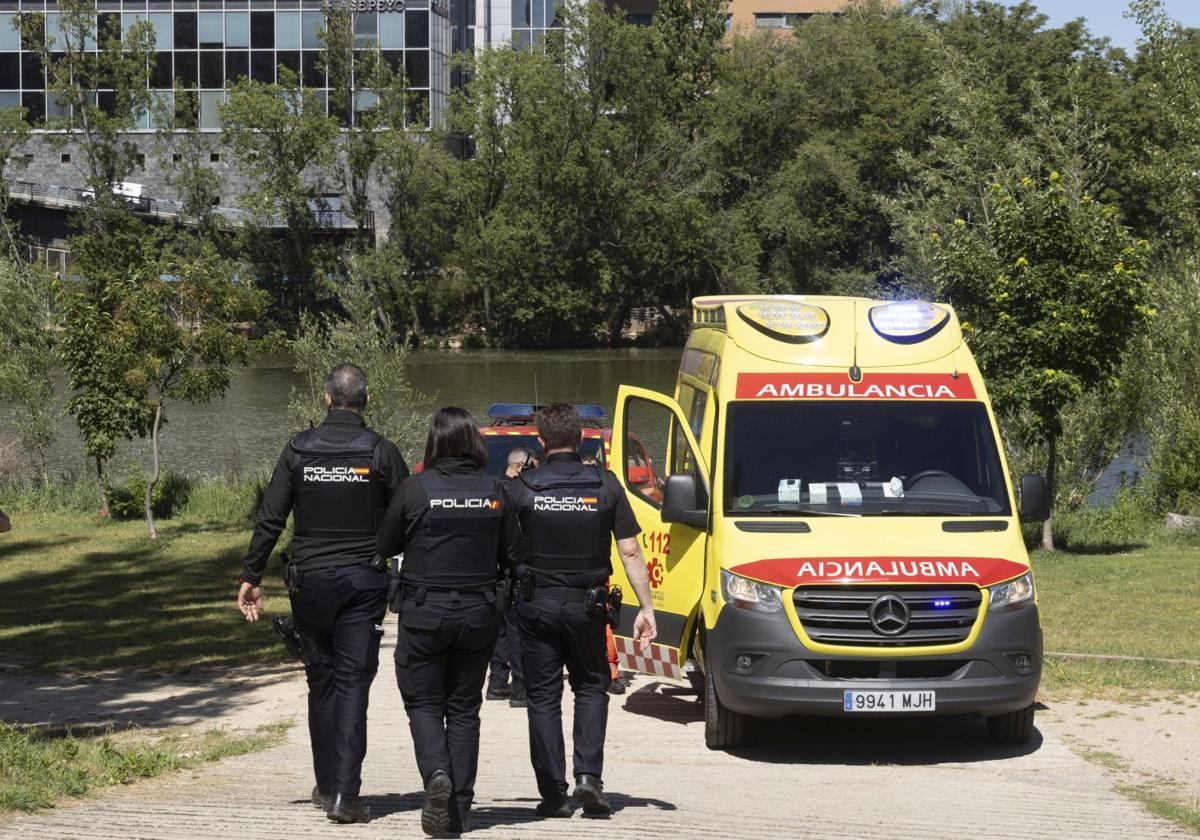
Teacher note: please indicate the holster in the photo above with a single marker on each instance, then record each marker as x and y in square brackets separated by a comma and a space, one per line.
[615, 597]
[596, 601]
[395, 591]
[503, 594]
[527, 586]
[291, 578]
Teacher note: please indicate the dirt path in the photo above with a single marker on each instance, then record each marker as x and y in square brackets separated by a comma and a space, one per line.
[934, 779]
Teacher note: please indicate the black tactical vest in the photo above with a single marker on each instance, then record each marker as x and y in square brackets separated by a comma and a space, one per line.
[456, 542]
[569, 521]
[339, 491]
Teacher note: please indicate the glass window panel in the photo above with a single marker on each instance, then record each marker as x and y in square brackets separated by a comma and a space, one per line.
[160, 4]
[108, 24]
[366, 29]
[312, 23]
[556, 18]
[10, 39]
[128, 19]
[289, 59]
[418, 110]
[160, 73]
[237, 29]
[107, 101]
[211, 30]
[287, 30]
[35, 107]
[185, 30]
[161, 109]
[321, 98]
[520, 39]
[416, 68]
[520, 13]
[262, 29]
[212, 70]
[391, 30]
[237, 65]
[416, 29]
[133, 4]
[367, 99]
[164, 30]
[57, 109]
[10, 71]
[31, 72]
[538, 11]
[10, 99]
[262, 66]
[187, 108]
[210, 103]
[393, 59]
[314, 76]
[186, 70]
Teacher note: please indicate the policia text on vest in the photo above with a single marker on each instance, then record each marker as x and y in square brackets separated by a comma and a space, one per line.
[458, 534]
[336, 480]
[569, 513]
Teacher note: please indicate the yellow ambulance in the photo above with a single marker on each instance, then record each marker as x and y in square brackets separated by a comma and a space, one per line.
[829, 524]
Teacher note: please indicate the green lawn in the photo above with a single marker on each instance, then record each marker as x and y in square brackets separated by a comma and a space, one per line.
[1141, 602]
[84, 595]
[39, 766]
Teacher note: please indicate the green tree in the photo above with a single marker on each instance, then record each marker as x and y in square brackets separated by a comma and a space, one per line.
[1050, 287]
[186, 153]
[283, 143]
[28, 365]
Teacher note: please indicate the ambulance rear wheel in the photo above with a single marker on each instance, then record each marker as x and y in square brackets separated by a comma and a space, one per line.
[723, 728]
[1012, 727]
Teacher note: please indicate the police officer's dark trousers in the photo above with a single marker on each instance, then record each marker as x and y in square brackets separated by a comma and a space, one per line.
[445, 641]
[506, 658]
[556, 632]
[341, 609]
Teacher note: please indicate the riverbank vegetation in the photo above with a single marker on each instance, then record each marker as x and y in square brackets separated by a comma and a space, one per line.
[40, 765]
[1035, 177]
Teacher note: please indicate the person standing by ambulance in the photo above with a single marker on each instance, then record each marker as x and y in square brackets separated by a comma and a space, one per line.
[569, 513]
[336, 480]
[458, 533]
[506, 657]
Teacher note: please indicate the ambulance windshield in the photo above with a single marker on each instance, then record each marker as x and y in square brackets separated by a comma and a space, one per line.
[868, 458]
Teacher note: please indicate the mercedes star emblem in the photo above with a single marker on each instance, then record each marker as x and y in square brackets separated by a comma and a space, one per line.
[890, 615]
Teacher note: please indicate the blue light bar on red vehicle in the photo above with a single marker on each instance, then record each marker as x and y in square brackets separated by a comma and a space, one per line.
[517, 411]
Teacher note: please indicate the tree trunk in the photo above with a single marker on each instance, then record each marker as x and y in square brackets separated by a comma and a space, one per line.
[154, 473]
[103, 488]
[1051, 464]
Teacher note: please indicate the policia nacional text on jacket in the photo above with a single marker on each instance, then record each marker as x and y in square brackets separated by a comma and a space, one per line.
[336, 480]
[457, 531]
[569, 513]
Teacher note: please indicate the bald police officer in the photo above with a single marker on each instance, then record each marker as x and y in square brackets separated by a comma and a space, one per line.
[569, 513]
[337, 480]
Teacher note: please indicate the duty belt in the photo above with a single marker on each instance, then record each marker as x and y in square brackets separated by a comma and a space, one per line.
[562, 594]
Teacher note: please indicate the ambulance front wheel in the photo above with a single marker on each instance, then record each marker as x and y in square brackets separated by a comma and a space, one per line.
[723, 728]
[1012, 727]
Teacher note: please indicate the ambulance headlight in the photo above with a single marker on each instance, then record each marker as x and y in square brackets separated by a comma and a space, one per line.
[746, 594]
[1013, 592]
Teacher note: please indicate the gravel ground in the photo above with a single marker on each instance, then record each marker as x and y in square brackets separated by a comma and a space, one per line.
[856, 779]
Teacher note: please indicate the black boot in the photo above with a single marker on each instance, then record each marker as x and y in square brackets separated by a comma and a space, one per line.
[590, 791]
[435, 813]
[517, 698]
[320, 800]
[497, 688]
[348, 809]
[557, 807]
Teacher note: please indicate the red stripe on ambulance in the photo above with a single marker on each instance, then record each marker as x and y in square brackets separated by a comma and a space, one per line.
[797, 571]
[837, 386]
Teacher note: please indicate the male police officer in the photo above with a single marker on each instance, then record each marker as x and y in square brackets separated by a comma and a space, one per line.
[569, 512]
[506, 657]
[337, 479]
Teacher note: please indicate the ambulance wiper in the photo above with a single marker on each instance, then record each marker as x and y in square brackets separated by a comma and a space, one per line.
[793, 510]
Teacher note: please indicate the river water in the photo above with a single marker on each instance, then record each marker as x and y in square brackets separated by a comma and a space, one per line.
[245, 431]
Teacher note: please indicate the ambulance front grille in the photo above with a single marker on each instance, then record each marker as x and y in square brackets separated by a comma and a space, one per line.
[841, 615]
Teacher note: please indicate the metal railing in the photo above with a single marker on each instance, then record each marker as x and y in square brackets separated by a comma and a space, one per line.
[50, 195]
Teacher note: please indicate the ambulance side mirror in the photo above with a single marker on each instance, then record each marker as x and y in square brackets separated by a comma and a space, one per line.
[681, 502]
[1035, 498]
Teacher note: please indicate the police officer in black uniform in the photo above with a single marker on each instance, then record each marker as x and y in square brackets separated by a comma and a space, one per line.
[506, 658]
[337, 480]
[569, 513]
[458, 534]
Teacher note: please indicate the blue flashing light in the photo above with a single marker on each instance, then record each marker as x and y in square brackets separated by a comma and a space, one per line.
[590, 412]
[942, 603]
[512, 411]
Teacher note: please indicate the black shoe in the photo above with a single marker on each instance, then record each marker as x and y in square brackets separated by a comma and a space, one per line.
[497, 689]
[435, 813]
[590, 791]
[517, 698]
[460, 818]
[554, 808]
[348, 809]
[616, 687]
[320, 800]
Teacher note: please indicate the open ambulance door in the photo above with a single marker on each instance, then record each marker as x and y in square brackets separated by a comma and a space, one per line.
[653, 446]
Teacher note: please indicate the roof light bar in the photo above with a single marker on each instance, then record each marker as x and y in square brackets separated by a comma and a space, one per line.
[512, 411]
[908, 322]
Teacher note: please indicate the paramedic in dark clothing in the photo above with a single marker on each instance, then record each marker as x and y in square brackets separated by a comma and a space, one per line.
[336, 480]
[569, 513]
[506, 658]
[458, 533]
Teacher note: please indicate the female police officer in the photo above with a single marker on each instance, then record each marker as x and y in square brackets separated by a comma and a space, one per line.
[456, 529]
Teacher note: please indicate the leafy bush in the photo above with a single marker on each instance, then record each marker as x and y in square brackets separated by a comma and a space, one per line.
[1128, 521]
[229, 501]
[127, 499]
